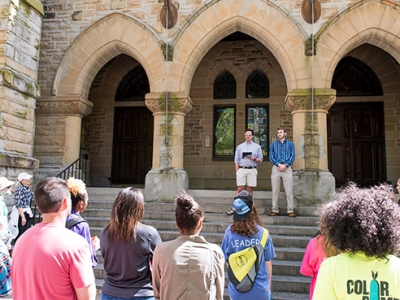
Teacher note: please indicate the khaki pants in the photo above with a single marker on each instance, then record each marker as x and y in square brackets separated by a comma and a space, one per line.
[287, 180]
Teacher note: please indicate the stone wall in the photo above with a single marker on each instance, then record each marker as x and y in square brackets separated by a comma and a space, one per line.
[20, 33]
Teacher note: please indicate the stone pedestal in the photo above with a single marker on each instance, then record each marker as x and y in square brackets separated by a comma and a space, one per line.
[312, 187]
[312, 181]
[167, 178]
[164, 184]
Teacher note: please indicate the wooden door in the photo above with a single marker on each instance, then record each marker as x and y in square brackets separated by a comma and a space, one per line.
[356, 143]
[132, 145]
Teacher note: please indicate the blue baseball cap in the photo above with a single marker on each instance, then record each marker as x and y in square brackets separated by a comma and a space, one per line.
[242, 203]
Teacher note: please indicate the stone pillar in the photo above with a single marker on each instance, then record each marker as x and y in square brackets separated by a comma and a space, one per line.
[313, 183]
[167, 178]
[58, 132]
[20, 34]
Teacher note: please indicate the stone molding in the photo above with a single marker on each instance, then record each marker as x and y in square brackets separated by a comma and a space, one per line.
[177, 102]
[302, 100]
[64, 105]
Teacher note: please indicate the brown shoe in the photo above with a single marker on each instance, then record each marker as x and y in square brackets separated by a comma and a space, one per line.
[273, 214]
[292, 215]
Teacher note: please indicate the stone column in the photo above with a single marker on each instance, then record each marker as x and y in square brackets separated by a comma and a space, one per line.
[58, 131]
[167, 178]
[313, 183]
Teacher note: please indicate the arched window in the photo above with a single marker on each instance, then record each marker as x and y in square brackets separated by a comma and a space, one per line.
[257, 85]
[134, 86]
[352, 77]
[225, 86]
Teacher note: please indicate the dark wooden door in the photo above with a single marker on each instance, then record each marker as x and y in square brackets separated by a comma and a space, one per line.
[356, 143]
[132, 145]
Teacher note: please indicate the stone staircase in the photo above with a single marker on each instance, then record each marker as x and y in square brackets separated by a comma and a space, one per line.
[290, 235]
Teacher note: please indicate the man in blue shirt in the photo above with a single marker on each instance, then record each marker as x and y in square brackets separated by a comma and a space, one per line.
[282, 155]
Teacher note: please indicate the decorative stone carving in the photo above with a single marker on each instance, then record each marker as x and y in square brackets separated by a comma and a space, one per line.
[156, 102]
[64, 106]
[167, 56]
[302, 100]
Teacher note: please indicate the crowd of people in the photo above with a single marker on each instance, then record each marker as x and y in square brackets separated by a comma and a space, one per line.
[354, 255]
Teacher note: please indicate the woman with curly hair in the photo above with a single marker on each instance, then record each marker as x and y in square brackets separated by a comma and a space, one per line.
[127, 246]
[364, 224]
[75, 222]
[246, 231]
[188, 267]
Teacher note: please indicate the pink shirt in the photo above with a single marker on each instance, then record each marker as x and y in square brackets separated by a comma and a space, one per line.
[49, 262]
[312, 260]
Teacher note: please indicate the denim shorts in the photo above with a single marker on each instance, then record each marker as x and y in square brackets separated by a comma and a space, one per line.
[107, 297]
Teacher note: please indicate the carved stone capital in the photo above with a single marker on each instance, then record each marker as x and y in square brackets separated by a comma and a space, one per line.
[64, 105]
[302, 99]
[175, 102]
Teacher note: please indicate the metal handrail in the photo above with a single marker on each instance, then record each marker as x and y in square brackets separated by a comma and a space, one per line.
[77, 169]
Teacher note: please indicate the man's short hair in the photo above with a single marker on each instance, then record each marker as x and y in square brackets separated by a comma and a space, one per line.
[281, 128]
[49, 194]
[251, 130]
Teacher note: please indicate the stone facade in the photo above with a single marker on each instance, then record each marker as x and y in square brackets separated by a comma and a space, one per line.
[88, 47]
[19, 62]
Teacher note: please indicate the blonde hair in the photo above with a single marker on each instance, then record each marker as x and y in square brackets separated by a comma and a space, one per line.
[77, 189]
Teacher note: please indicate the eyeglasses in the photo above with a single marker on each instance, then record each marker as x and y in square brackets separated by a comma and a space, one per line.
[248, 134]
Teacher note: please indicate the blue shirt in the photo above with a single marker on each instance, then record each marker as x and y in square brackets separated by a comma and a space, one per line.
[250, 149]
[22, 197]
[282, 153]
[233, 243]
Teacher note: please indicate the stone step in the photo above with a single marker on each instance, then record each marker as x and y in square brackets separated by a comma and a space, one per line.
[276, 295]
[214, 227]
[290, 235]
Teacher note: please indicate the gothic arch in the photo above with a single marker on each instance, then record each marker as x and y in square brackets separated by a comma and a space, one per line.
[104, 40]
[260, 19]
[350, 30]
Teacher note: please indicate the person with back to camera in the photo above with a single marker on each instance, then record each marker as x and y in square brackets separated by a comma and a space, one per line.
[188, 267]
[282, 155]
[49, 260]
[365, 225]
[318, 249]
[127, 246]
[248, 156]
[79, 202]
[22, 203]
[247, 230]
[5, 190]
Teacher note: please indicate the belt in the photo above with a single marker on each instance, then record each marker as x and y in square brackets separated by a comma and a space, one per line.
[248, 167]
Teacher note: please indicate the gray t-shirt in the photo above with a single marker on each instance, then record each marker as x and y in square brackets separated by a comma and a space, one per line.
[127, 265]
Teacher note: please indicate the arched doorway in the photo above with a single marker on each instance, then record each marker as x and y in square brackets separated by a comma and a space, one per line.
[356, 134]
[133, 131]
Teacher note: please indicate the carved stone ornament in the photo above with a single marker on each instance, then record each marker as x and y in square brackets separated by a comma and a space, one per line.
[311, 10]
[156, 102]
[64, 106]
[303, 101]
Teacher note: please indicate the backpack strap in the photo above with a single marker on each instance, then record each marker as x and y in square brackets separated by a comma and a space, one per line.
[264, 237]
[74, 221]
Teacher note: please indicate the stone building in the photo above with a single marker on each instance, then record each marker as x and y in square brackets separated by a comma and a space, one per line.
[163, 104]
